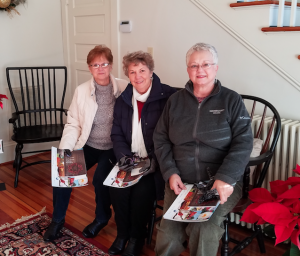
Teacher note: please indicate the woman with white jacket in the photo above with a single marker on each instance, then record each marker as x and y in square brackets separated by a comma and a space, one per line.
[89, 124]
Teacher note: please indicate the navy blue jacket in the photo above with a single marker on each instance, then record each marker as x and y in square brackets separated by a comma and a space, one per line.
[152, 109]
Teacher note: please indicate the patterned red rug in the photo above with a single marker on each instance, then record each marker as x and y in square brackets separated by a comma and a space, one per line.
[26, 238]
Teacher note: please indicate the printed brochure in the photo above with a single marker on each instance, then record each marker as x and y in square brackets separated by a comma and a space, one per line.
[68, 171]
[186, 207]
[118, 178]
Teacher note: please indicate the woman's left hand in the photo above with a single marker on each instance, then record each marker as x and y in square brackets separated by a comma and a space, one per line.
[224, 189]
[150, 167]
[146, 166]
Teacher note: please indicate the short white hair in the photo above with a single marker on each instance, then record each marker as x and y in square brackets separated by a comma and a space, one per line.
[199, 47]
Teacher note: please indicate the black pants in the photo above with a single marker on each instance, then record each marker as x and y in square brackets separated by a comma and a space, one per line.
[133, 206]
[61, 196]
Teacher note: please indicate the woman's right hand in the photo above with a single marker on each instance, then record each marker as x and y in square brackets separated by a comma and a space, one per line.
[126, 164]
[176, 184]
[68, 152]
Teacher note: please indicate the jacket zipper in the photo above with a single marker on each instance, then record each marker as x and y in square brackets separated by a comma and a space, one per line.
[197, 151]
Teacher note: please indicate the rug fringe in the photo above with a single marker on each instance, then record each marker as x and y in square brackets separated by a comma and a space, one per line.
[23, 218]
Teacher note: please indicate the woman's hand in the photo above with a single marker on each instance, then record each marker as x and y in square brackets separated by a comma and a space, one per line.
[151, 167]
[176, 184]
[126, 164]
[224, 189]
[68, 152]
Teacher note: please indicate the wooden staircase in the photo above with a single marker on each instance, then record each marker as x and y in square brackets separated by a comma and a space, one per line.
[246, 3]
[294, 7]
[244, 23]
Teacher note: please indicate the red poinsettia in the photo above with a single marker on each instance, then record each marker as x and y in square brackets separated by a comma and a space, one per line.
[2, 96]
[280, 208]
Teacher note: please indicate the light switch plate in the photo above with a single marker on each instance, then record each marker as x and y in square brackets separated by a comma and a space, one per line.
[126, 26]
[150, 50]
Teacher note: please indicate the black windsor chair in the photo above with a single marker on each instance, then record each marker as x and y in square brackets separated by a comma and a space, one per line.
[268, 130]
[38, 95]
[153, 219]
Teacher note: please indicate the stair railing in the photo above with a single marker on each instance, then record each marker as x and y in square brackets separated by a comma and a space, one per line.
[293, 13]
[281, 13]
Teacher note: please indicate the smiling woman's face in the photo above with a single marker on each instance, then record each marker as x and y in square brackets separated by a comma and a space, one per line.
[199, 76]
[140, 77]
[100, 74]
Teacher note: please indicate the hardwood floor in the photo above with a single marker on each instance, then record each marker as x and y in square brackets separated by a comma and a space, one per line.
[35, 192]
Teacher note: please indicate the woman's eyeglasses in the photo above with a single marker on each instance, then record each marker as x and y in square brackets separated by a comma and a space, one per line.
[96, 65]
[203, 66]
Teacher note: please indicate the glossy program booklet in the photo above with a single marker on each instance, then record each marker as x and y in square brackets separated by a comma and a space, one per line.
[118, 178]
[68, 171]
[186, 207]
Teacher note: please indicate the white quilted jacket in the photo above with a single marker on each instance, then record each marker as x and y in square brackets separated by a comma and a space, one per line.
[82, 112]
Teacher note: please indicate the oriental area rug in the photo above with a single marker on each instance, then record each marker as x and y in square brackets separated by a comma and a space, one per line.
[26, 238]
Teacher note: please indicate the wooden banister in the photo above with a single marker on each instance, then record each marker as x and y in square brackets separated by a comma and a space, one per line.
[259, 3]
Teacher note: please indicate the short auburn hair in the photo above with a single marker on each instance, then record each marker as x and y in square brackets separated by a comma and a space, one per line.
[100, 50]
[138, 57]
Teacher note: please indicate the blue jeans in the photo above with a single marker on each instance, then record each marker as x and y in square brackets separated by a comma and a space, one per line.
[61, 196]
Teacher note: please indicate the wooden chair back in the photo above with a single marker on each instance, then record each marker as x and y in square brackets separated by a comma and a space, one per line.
[38, 94]
[268, 131]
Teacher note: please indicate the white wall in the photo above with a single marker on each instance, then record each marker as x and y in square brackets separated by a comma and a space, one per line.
[32, 39]
[172, 27]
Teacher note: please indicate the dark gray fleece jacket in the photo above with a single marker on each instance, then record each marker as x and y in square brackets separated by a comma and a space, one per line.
[190, 137]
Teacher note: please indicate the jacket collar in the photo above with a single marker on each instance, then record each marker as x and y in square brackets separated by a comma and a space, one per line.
[190, 88]
[117, 91]
[157, 91]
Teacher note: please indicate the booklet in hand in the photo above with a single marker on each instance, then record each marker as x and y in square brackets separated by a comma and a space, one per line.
[118, 178]
[68, 171]
[188, 208]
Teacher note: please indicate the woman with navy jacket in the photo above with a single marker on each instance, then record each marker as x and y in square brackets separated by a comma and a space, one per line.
[136, 113]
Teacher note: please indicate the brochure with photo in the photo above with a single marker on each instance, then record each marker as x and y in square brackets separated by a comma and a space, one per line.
[186, 207]
[118, 178]
[68, 171]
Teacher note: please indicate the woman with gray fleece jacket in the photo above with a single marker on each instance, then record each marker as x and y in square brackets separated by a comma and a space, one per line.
[203, 131]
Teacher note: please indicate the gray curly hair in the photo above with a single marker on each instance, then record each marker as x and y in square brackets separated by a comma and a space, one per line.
[198, 47]
[136, 58]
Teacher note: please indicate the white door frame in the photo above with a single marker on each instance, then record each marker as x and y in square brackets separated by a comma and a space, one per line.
[115, 40]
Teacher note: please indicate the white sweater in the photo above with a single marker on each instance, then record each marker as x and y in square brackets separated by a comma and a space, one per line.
[82, 112]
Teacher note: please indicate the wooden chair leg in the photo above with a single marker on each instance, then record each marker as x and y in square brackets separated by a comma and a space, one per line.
[260, 238]
[16, 157]
[18, 162]
[151, 224]
[225, 239]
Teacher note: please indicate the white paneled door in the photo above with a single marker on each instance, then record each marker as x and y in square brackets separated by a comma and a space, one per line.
[86, 23]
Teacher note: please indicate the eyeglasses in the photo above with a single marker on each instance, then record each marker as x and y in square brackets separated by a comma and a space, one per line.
[96, 65]
[203, 66]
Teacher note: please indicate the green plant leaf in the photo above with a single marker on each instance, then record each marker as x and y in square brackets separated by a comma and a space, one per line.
[294, 250]
[269, 231]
